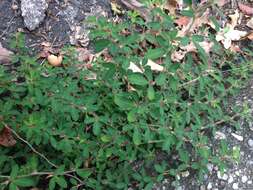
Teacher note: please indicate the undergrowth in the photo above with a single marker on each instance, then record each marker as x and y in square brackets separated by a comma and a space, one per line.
[79, 128]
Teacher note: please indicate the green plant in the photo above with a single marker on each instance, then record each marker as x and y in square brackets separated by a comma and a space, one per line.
[77, 131]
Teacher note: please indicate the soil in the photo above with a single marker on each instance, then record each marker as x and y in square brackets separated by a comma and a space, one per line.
[59, 27]
[61, 23]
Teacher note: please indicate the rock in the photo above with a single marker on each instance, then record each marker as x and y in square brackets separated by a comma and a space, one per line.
[223, 177]
[250, 182]
[244, 179]
[250, 142]
[33, 12]
[235, 186]
[238, 137]
[185, 174]
[219, 135]
[237, 173]
[210, 167]
[80, 30]
[5, 55]
[230, 179]
[209, 186]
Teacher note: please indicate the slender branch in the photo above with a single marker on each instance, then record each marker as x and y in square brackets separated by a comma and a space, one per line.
[30, 146]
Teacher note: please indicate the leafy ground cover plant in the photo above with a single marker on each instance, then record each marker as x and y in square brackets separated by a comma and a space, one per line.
[84, 128]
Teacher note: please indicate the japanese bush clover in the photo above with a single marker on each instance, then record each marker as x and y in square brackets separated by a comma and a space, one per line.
[79, 128]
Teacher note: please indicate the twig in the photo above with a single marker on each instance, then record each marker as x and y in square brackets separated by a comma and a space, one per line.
[66, 173]
[30, 146]
[8, 26]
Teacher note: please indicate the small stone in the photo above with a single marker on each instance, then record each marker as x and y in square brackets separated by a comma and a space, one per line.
[237, 173]
[244, 179]
[219, 135]
[235, 186]
[33, 12]
[209, 186]
[230, 179]
[210, 167]
[185, 174]
[250, 182]
[250, 142]
[238, 137]
[223, 177]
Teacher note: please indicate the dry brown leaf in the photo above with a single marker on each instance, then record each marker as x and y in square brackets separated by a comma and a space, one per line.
[246, 9]
[182, 21]
[195, 23]
[171, 6]
[227, 36]
[6, 138]
[250, 36]
[84, 55]
[154, 66]
[5, 55]
[234, 18]
[137, 6]
[179, 55]
[221, 3]
[235, 48]
[250, 23]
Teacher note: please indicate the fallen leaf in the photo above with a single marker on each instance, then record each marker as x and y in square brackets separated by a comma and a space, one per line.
[250, 23]
[236, 48]
[133, 67]
[6, 138]
[5, 55]
[182, 21]
[154, 66]
[221, 3]
[139, 7]
[84, 55]
[195, 23]
[171, 6]
[234, 18]
[227, 35]
[250, 36]
[245, 9]
[179, 55]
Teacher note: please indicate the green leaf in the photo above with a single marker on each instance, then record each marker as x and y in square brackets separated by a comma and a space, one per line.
[96, 128]
[136, 136]
[151, 93]
[123, 101]
[101, 44]
[160, 79]
[52, 183]
[137, 79]
[106, 138]
[188, 13]
[84, 173]
[155, 53]
[12, 186]
[14, 171]
[132, 115]
[24, 182]
[159, 168]
[61, 181]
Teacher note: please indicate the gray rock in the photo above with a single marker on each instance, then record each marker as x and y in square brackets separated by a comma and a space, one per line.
[244, 179]
[235, 186]
[33, 12]
[250, 142]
